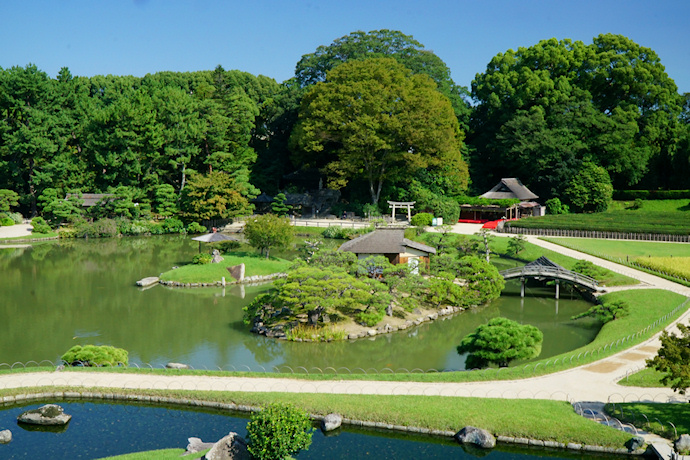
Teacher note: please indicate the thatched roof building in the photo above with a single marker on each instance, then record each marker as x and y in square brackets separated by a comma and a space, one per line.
[510, 188]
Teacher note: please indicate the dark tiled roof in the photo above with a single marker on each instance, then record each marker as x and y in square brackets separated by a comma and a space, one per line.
[510, 188]
[544, 262]
[90, 199]
[385, 241]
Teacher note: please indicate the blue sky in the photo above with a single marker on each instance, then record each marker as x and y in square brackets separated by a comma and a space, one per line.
[136, 37]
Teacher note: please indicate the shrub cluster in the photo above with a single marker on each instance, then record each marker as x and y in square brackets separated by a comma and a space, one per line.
[278, 431]
[96, 355]
[422, 219]
[202, 258]
[39, 225]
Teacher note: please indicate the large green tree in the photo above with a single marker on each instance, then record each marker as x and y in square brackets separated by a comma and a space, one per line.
[313, 68]
[541, 111]
[377, 121]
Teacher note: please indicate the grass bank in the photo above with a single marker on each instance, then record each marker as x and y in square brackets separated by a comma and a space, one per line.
[535, 419]
[659, 418]
[163, 454]
[646, 378]
[255, 265]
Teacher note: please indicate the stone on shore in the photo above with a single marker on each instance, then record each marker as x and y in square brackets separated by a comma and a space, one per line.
[5, 436]
[237, 272]
[231, 447]
[682, 444]
[50, 414]
[176, 366]
[195, 445]
[331, 422]
[148, 281]
[476, 436]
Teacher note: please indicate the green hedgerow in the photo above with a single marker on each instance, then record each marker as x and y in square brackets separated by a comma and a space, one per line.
[278, 431]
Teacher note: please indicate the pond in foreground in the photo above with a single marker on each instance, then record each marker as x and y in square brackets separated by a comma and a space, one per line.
[100, 429]
[56, 295]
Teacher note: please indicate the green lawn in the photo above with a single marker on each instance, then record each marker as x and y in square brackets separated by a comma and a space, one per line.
[660, 417]
[646, 378]
[255, 265]
[33, 236]
[638, 221]
[669, 260]
[163, 454]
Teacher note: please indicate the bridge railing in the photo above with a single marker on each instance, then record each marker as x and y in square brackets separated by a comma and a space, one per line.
[551, 272]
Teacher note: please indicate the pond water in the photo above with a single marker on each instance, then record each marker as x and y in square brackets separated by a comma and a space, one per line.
[56, 295]
[102, 429]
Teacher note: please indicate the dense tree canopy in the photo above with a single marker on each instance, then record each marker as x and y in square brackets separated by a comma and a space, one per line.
[314, 67]
[541, 111]
[375, 120]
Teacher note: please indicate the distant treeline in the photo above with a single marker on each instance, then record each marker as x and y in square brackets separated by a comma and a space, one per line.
[567, 118]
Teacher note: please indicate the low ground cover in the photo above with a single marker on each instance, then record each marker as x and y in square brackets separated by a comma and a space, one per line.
[33, 236]
[163, 454]
[645, 378]
[538, 419]
[628, 221]
[255, 265]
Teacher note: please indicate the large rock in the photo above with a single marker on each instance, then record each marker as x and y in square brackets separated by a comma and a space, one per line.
[682, 444]
[331, 422]
[476, 436]
[177, 366]
[197, 445]
[217, 258]
[635, 443]
[231, 447]
[5, 436]
[50, 414]
[237, 272]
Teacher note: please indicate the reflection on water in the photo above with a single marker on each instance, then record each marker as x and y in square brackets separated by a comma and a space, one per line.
[56, 295]
[99, 429]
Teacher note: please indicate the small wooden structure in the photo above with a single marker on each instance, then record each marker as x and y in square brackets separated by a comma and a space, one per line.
[402, 205]
[391, 243]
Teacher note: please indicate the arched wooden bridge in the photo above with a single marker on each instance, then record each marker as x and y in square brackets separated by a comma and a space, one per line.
[543, 268]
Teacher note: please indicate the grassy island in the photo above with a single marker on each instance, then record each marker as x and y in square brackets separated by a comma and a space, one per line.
[255, 265]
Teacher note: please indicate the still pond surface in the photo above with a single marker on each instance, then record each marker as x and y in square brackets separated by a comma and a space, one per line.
[56, 295]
